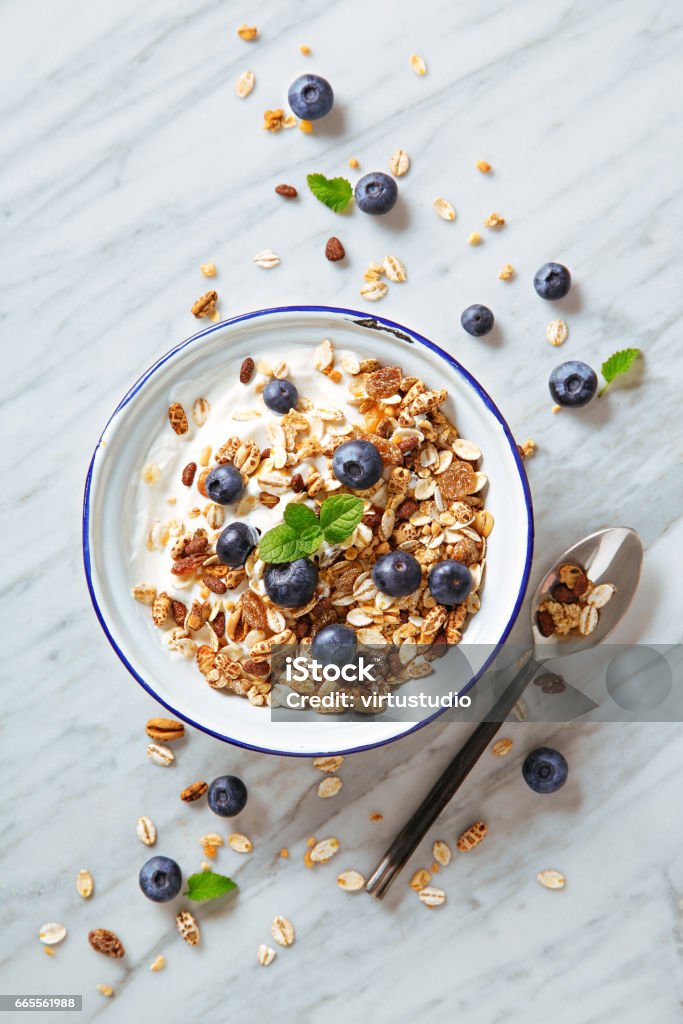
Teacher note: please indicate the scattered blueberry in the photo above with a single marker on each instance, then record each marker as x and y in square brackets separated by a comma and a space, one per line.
[224, 484]
[334, 645]
[236, 543]
[160, 879]
[397, 574]
[227, 796]
[552, 281]
[545, 770]
[450, 582]
[280, 395]
[477, 320]
[291, 584]
[357, 464]
[376, 193]
[573, 383]
[310, 97]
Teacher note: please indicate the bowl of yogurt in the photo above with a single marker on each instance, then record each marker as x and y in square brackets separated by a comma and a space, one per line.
[198, 628]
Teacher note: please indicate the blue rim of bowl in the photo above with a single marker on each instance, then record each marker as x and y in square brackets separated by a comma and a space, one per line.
[353, 315]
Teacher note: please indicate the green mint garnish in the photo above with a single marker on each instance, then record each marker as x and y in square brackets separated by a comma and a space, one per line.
[617, 364]
[302, 532]
[335, 193]
[207, 885]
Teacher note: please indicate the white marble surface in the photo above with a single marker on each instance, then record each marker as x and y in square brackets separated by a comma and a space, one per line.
[127, 160]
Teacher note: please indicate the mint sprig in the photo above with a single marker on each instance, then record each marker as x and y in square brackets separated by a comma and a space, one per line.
[302, 532]
[620, 362]
[208, 885]
[335, 193]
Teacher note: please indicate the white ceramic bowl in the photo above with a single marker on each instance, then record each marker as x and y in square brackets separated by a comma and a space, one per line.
[219, 350]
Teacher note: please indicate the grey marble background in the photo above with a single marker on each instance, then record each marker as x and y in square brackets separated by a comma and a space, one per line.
[125, 160]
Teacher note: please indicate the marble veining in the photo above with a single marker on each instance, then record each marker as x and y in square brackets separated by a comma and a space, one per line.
[126, 161]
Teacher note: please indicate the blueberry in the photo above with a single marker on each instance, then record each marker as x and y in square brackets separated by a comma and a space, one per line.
[334, 645]
[291, 584]
[477, 320]
[236, 543]
[450, 582]
[357, 464]
[280, 395]
[227, 796]
[310, 97]
[573, 383]
[552, 281]
[545, 770]
[160, 879]
[224, 484]
[397, 574]
[376, 193]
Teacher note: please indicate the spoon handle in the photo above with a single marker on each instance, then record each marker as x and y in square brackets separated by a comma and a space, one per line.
[448, 784]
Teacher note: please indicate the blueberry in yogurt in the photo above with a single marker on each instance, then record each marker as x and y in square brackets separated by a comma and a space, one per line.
[160, 879]
[397, 574]
[357, 464]
[552, 281]
[310, 97]
[224, 484]
[376, 193]
[291, 584]
[450, 582]
[334, 645]
[280, 395]
[236, 543]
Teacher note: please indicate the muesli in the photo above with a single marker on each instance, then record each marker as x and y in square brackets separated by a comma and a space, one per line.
[426, 505]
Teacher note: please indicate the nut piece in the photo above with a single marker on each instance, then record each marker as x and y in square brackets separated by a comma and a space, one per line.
[106, 942]
[265, 955]
[288, 191]
[245, 84]
[494, 220]
[418, 65]
[328, 764]
[324, 850]
[329, 787]
[421, 878]
[266, 259]
[247, 32]
[208, 269]
[501, 747]
[399, 164]
[472, 836]
[205, 306]
[165, 729]
[240, 843]
[160, 755]
[551, 879]
[246, 370]
[444, 209]
[188, 927]
[158, 964]
[334, 250]
[474, 238]
[84, 884]
[350, 881]
[282, 931]
[187, 475]
[146, 831]
[195, 791]
[177, 417]
[52, 933]
[506, 272]
[431, 896]
[394, 269]
[556, 333]
[441, 852]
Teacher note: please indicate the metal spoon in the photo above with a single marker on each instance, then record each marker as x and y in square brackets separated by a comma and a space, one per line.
[613, 555]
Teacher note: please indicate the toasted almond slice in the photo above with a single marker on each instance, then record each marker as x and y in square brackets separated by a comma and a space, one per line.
[444, 209]
[431, 896]
[329, 787]
[441, 852]
[551, 879]
[282, 931]
[350, 881]
[240, 843]
[325, 850]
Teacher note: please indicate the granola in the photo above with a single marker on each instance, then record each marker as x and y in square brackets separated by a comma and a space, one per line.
[428, 503]
[573, 604]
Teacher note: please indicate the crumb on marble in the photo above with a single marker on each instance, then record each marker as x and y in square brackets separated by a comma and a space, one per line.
[304, 50]
[484, 166]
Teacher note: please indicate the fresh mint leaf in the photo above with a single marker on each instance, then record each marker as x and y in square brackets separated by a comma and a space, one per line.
[300, 517]
[617, 364]
[207, 885]
[281, 544]
[339, 516]
[335, 193]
